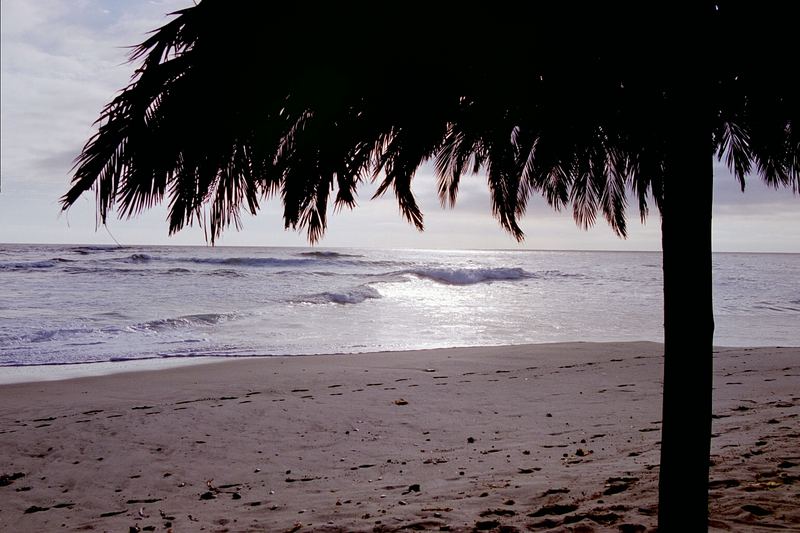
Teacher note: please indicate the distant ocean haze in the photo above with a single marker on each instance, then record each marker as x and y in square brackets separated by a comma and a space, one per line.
[73, 304]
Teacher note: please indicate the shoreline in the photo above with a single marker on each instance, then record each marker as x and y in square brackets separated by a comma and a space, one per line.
[539, 437]
[17, 374]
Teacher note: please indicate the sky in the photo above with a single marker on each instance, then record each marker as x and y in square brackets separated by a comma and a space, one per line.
[61, 61]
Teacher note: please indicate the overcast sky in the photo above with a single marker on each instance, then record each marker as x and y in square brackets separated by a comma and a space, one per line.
[62, 60]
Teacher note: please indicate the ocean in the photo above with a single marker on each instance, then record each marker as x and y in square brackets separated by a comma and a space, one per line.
[78, 304]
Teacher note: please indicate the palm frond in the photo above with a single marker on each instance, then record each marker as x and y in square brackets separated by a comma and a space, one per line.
[734, 145]
[228, 107]
[408, 146]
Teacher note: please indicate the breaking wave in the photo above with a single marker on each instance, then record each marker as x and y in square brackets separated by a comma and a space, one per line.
[469, 276]
[25, 266]
[144, 262]
[327, 255]
[307, 259]
[87, 250]
[164, 324]
[355, 295]
[206, 319]
[247, 261]
[45, 335]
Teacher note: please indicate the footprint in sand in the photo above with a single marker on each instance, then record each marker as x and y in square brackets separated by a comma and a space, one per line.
[756, 510]
[147, 500]
[498, 512]
[631, 528]
[722, 484]
[615, 485]
[554, 509]
[550, 492]
[113, 513]
[35, 509]
[8, 479]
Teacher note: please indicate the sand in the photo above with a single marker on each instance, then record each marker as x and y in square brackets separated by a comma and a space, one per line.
[560, 437]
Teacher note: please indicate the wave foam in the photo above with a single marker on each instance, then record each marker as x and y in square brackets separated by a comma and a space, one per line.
[206, 319]
[44, 335]
[469, 276]
[356, 295]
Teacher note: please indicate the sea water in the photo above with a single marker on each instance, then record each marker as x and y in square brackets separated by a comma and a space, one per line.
[76, 304]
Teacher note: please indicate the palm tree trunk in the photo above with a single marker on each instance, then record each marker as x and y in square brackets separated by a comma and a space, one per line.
[688, 322]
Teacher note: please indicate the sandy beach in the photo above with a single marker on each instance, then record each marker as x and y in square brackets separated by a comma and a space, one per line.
[560, 437]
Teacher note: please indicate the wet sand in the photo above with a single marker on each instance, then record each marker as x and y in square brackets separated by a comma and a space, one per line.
[560, 437]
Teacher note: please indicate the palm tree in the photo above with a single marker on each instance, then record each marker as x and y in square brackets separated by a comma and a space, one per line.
[236, 103]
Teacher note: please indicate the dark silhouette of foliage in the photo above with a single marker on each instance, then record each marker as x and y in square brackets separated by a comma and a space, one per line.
[587, 106]
[234, 104]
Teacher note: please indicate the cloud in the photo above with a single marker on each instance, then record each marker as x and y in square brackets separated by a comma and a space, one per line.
[61, 62]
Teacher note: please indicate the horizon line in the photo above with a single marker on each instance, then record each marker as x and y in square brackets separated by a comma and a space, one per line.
[367, 247]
